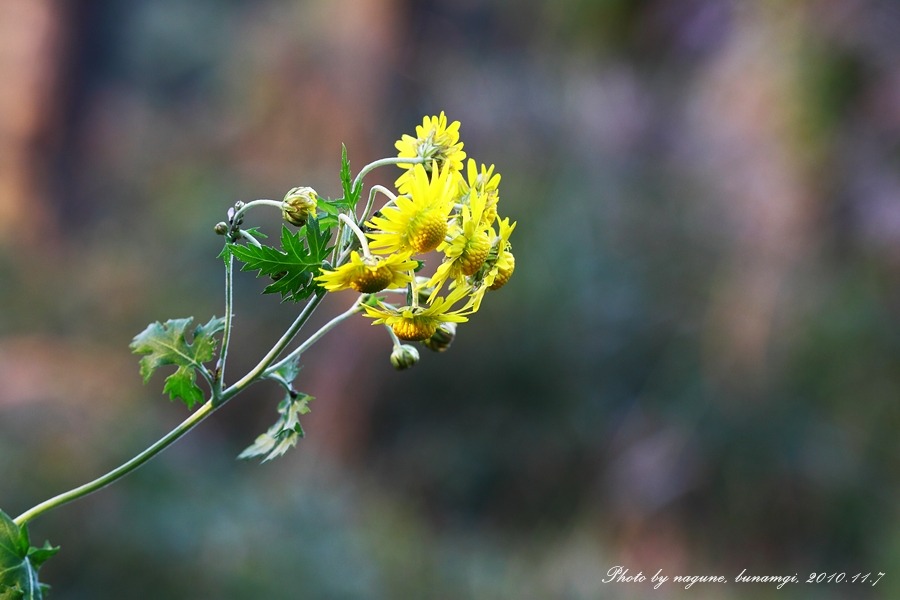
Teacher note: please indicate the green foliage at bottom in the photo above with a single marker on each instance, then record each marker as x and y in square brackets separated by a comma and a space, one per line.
[19, 562]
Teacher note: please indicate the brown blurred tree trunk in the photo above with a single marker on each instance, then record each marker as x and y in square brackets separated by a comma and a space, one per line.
[29, 71]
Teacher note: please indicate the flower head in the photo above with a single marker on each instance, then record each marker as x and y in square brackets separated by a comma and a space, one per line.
[413, 323]
[468, 245]
[369, 274]
[484, 182]
[417, 221]
[498, 267]
[435, 141]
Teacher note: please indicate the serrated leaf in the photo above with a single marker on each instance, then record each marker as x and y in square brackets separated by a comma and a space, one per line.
[165, 344]
[351, 192]
[294, 266]
[285, 433]
[19, 562]
[225, 254]
[317, 240]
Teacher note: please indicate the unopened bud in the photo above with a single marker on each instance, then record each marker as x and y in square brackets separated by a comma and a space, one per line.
[404, 356]
[299, 204]
[221, 228]
[442, 337]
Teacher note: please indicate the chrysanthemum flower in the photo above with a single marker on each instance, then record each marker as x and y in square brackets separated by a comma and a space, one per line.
[506, 264]
[486, 183]
[435, 141]
[499, 266]
[369, 274]
[417, 221]
[468, 245]
[414, 323]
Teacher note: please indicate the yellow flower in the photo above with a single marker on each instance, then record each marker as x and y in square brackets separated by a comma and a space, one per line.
[499, 266]
[506, 264]
[370, 274]
[486, 183]
[417, 221]
[468, 247]
[412, 323]
[435, 141]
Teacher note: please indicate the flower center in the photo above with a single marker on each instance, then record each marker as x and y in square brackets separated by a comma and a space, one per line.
[369, 280]
[427, 231]
[414, 329]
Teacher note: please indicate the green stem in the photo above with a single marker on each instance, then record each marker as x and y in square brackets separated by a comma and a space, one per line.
[218, 399]
[316, 336]
[226, 335]
[277, 349]
[119, 472]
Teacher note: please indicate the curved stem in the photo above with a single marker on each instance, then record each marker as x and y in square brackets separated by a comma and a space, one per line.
[247, 236]
[260, 202]
[359, 234]
[119, 472]
[371, 201]
[394, 160]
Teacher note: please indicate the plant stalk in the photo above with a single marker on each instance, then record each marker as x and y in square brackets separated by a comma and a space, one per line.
[119, 472]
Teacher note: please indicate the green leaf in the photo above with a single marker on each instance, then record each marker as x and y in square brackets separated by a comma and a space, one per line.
[165, 344]
[317, 240]
[285, 433]
[19, 562]
[351, 192]
[286, 373]
[294, 266]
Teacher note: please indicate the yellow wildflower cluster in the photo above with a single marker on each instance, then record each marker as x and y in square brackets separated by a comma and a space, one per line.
[438, 208]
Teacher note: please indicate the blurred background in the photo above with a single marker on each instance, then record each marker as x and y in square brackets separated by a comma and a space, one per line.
[695, 368]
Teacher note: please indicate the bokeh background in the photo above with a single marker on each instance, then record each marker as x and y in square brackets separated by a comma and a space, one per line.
[695, 368]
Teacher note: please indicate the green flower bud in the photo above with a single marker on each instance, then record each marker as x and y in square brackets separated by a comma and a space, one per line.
[404, 356]
[442, 337]
[299, 204]
[221, 228]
